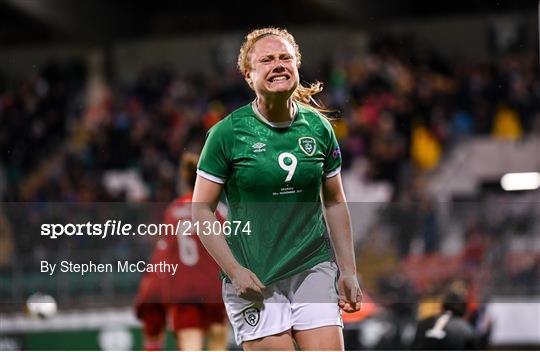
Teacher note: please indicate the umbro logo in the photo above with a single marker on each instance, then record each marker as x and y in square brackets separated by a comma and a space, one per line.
[259, 147]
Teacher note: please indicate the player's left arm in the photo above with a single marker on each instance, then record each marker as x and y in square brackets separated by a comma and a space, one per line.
[339, 226]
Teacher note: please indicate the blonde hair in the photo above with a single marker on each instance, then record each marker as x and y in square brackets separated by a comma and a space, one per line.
[302, 94]
[188, 168]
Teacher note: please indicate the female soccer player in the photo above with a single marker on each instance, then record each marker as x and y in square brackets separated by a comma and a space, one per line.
[190, 305]
[273, 158]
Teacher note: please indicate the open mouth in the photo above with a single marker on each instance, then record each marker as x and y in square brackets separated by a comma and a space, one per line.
[278, 78]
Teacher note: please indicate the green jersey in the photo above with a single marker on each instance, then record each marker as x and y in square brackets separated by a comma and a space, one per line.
[272, 175]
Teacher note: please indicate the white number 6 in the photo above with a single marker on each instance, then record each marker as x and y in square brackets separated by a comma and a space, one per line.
[290, 168]
[188, 251]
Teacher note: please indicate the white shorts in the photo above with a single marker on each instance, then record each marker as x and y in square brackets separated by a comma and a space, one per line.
[304, 301]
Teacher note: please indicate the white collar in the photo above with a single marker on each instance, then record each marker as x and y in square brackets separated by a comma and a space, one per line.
[283, 124]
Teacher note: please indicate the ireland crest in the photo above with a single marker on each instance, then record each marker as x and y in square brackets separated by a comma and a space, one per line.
[251, 316]
[308, 145]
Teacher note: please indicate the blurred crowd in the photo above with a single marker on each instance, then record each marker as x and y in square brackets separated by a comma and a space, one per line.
[406, 106]
[400, 109]
[36, 114]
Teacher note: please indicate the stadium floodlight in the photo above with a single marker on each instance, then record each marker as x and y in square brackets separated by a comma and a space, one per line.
[521, 181]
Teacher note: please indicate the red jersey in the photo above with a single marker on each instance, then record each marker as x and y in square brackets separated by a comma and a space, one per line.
[197, 276]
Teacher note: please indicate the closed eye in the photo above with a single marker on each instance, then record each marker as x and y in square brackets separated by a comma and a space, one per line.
[270, 58]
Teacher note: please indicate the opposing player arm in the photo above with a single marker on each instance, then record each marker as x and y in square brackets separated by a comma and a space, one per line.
[205, 200]
[339, 226]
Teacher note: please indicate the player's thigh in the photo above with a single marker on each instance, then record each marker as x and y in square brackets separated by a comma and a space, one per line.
[322, 338]
[190, 339]
[278, 342]
[217, 337]
[215, 325]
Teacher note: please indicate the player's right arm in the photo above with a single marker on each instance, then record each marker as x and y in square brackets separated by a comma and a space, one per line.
[213, 170]
[205, 199]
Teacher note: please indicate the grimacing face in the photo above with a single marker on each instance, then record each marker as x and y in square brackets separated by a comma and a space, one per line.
[274, 68]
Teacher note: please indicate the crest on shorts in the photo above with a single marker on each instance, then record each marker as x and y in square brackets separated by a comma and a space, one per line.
[308, 145]
[251, 315]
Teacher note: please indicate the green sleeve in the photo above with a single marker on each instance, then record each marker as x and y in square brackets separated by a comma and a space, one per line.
[215, 160]
[332, 163]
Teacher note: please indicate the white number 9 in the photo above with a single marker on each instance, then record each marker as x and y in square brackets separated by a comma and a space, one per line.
[290, 168]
